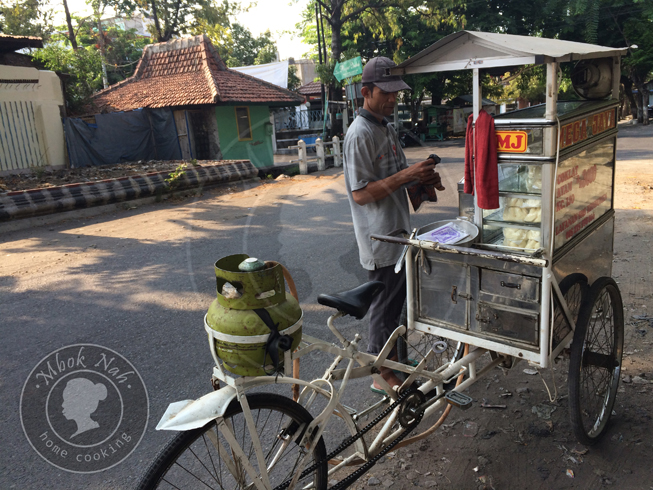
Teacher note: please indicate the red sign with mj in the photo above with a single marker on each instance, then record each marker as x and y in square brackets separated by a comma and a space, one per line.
[512, 141]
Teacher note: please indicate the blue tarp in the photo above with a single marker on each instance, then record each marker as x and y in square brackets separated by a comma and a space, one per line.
[144, 134]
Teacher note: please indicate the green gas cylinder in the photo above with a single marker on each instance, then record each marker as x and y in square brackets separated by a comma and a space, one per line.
[240, 335]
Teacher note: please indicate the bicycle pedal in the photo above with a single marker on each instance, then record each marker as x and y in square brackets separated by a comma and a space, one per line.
[459, 400]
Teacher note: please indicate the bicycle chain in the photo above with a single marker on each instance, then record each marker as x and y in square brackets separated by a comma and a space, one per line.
[343, 484]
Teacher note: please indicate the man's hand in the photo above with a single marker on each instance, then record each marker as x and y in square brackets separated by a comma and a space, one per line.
[422, 172]
[425, 173]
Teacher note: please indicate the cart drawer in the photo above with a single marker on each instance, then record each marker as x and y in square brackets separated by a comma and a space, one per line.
[442, 293]
[514, 286]
[514, 324]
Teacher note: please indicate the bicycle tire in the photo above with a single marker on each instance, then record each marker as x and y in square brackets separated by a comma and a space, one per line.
[574, 289]
[595, 362]
[189, 460]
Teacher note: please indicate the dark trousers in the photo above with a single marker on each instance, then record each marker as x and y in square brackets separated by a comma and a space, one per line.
[386, 307]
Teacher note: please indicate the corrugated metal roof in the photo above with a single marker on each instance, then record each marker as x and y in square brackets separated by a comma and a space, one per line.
[471, 49]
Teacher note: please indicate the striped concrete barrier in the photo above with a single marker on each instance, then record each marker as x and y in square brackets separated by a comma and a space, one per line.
[37, 202]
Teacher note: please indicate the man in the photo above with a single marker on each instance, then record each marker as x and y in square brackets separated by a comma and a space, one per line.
[376, 174]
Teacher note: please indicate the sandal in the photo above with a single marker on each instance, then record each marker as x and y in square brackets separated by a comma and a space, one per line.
[379, 391]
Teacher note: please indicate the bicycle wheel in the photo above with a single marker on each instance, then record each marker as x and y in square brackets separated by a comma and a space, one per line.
[415, 345]
[574, 289]
[595, 363]
[192, 459]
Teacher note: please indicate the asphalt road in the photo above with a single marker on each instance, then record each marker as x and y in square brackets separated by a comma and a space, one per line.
[139, 282]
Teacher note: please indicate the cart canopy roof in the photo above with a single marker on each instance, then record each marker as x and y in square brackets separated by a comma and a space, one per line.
[471, 49]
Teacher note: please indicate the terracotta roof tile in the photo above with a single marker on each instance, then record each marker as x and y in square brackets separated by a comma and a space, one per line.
[187, 72]
[311, 88]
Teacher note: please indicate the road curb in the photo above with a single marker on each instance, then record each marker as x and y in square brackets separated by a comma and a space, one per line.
[37, 202]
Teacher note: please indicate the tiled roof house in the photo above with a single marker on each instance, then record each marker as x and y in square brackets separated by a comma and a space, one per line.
[219, 113]
[311, 88]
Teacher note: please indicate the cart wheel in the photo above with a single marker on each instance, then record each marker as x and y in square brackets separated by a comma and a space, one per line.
[414, 346]
[595, 363]
[574, 289]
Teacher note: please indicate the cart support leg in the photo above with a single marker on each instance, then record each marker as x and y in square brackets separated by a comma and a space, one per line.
[545, 323]
[551, 90]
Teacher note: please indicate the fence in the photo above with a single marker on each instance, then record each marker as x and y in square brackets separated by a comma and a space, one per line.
[334, 147]
[291, 119]
[20, 146]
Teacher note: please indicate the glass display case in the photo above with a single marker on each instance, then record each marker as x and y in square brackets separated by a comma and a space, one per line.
[516, 224]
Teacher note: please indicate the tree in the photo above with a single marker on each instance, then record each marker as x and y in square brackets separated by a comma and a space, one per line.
[294, 82]
[396, 29]
[638, 64]
[339, 14]
[83, 65]
[616, 23]
[27, 18]
[177, 17]
[238, 47]
[124, 49]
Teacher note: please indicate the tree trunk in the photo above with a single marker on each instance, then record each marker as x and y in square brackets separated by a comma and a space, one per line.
[641, 107]
[71, 31]
[157, 25]
[103, 54]
[628, 92]
[336, 41]
[414, 110]
[644, 92]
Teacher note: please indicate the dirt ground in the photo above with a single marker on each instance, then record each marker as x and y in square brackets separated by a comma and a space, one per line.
[513, 447]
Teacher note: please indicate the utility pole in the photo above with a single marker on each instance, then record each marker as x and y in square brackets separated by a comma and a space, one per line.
[319, 50]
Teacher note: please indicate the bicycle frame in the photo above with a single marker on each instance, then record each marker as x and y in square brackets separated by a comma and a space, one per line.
[191, 414]
[180, 415]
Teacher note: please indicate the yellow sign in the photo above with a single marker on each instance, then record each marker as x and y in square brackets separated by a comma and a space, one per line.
[585, 128]
[512, 141]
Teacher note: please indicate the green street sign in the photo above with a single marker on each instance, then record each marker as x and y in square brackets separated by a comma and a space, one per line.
[349, 68]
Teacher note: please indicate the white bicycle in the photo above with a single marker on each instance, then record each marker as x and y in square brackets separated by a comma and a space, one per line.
[237, 438]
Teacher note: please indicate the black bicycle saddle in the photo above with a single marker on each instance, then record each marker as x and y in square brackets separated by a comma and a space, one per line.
[354, 302]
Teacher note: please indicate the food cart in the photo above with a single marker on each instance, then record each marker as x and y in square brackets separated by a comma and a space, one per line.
[538, 276]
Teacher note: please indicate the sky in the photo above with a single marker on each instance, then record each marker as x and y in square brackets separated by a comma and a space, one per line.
[275, 15]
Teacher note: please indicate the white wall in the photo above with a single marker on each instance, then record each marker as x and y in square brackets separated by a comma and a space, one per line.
[32, 131]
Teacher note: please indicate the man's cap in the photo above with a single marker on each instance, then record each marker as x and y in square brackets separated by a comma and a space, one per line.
[377, 71]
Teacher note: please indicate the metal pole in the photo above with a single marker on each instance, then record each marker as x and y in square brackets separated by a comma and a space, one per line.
[319, 46]
[616, 77]
[476, 101]
[551, 135]
[476, 93]
[551, 110]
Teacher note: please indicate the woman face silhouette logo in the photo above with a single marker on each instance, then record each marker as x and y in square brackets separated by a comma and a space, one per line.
[81, 398]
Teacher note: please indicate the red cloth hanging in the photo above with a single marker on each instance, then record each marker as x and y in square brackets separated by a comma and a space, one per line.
[484, 179]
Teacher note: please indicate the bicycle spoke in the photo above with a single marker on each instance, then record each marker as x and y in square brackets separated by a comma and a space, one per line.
[191, 474]
[208, 452]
